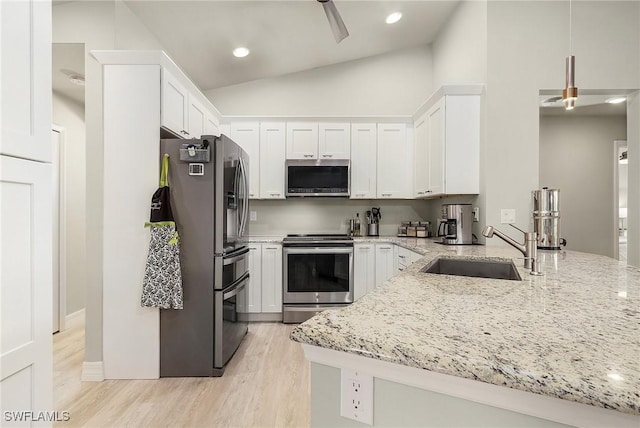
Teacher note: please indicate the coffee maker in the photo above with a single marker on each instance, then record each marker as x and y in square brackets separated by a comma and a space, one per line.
[455, 224]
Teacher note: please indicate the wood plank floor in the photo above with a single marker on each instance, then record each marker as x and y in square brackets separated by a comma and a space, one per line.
[265, 385]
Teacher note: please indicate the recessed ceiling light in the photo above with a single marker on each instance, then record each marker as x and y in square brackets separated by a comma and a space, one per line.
[616, 100]
[240, 52]
[393, 18]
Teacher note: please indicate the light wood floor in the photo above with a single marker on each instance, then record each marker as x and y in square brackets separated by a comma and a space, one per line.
[265, 385]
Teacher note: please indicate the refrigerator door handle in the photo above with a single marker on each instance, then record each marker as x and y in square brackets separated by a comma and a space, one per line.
[235, 256]
[236, 185]
[245, 202]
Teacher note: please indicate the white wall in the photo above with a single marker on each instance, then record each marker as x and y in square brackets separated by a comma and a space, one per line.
[70, 115]
[527, 42]
[391, 84]
[576, 156]
[326, 215]
[96, 24]
[460, 51]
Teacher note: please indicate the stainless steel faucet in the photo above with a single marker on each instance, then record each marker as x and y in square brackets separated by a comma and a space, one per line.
[529, 248]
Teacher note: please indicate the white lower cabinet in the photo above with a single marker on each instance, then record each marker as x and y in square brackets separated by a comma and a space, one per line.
[404, 258]
[254, 288]
[271, 278]
[264, 291]
[384, 263]
[364, 269]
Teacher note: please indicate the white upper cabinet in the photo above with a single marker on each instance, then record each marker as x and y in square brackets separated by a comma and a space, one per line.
[302, 140]
[364, 151]
[447, 147]
[211, 125]
[247, 136]
[272, 155]
[185, 113]
[435, 147]
[334, 141]
[25, 104]
[174, 107]
[395, 162]
[421, 165]
[196, 117]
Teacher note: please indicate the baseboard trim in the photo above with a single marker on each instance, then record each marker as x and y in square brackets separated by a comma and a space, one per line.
[261, 317]
[92, 371]
[74, 317]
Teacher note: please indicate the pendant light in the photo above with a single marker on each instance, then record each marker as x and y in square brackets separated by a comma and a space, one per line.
[570, 92]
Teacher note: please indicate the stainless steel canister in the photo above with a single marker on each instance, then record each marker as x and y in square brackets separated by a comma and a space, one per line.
[546, 218]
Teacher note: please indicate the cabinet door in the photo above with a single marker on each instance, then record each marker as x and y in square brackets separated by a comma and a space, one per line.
[211, 126]
[364, 269]
[363, 160]
[196, 117]
[421, 157]
[254, 293]
[334, 141]
[395, 163]
[462, 131]
[272, 156]
[174, 105]
[272, 278]
[435, 129]
[247, 135]
[384, 263]
[302, 140]
[25, 104]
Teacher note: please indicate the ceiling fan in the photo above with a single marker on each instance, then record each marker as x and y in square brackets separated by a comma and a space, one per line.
[335, 20]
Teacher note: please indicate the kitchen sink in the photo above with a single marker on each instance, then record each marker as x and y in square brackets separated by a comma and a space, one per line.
[481, 268]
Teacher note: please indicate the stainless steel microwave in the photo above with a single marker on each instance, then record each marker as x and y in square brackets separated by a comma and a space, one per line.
[317, 178]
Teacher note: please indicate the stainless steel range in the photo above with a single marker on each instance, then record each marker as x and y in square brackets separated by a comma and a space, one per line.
[317, 274]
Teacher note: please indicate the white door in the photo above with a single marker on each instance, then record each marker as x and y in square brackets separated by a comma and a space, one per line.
[174, 109]
[272, 155]
[211, 126]
[26, 372]
[55, 237]
[363, 160]
[25, 295]
[196, 117]
[395, 162]
[254, 295]
[421, 158]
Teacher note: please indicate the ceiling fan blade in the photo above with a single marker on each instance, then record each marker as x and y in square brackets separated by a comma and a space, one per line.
[335, 21]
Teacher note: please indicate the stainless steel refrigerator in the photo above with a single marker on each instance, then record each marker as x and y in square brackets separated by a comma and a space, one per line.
[210, 202]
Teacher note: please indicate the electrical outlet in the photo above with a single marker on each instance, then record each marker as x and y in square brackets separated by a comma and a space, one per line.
[507, 216]
[253, 215]
[356, 398]
[476, 214]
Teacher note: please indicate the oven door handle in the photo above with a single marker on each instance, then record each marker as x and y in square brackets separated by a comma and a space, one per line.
[236, 287]
[233, 257]
[318, 250]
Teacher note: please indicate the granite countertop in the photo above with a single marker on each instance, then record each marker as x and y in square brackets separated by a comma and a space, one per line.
[573, 333]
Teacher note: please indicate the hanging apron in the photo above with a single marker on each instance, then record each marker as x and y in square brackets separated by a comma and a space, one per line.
[162, 284]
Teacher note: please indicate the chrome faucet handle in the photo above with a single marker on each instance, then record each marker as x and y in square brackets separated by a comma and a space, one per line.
[517, 228]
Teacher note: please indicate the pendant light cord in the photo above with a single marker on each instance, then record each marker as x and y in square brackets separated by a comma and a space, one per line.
[570, 20]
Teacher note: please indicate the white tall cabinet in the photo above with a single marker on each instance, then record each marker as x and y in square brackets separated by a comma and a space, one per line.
[364, 150]
[26, 375]
[247, 135]
[272, 155]
[395, 162]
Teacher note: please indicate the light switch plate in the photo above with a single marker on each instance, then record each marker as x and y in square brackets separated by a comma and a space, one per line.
[476, 214]
[507, 216]
[253, 215]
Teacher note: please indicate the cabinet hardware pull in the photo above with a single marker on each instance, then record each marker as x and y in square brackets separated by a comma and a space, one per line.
[420, 193]
[251, 194]
[386, 194]
[271, 248]
[428, 191]
[327, 156]
[308, 156]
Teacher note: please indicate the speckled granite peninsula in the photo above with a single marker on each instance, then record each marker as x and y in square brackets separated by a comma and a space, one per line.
[573, 333]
